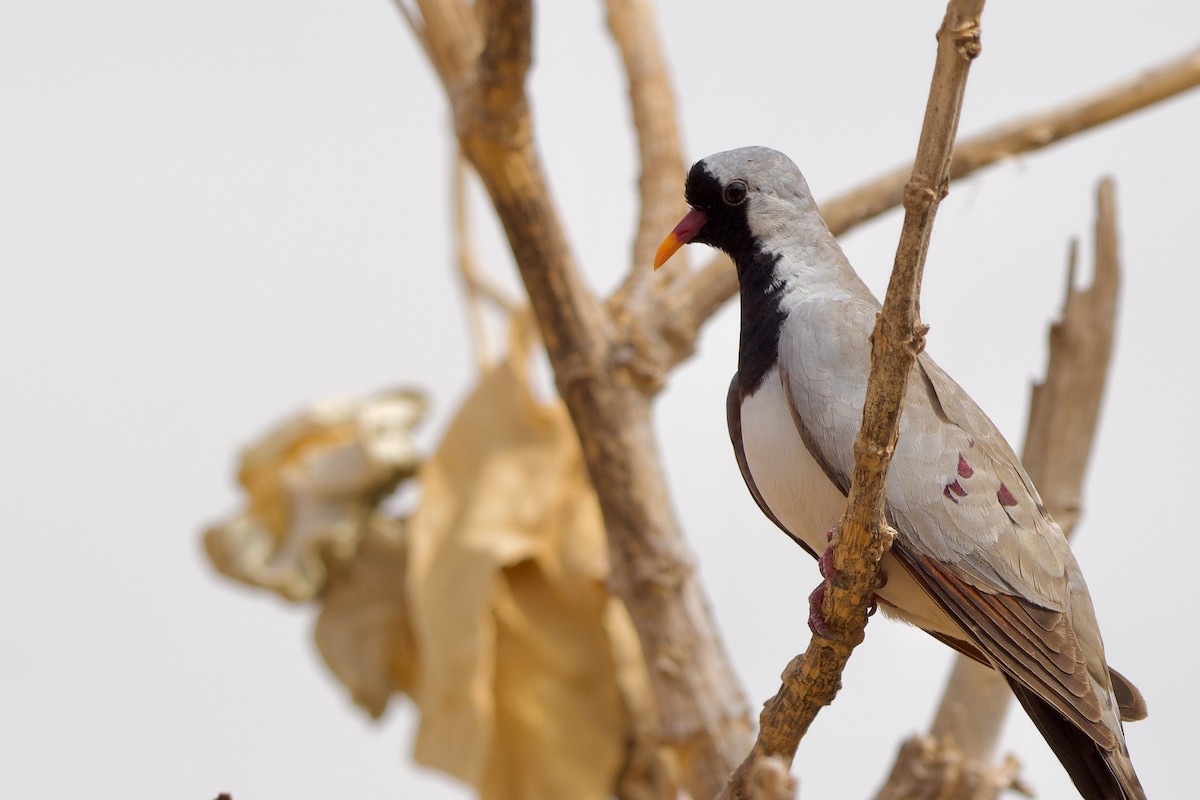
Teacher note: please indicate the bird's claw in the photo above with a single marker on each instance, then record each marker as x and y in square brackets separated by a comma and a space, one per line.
[825, 565]
[816, 620]
[880, 582]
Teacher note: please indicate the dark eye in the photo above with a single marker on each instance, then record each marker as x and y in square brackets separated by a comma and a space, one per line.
[735, 193]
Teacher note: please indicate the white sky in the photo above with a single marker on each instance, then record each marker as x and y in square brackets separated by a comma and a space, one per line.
[214, 212]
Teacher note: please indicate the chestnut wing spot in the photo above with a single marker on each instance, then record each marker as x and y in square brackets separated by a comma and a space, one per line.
[953, 491]
[964, 469]
[1005, 496]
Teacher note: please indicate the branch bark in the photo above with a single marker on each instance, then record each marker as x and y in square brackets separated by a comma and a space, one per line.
[702, 710]
[813, 678]
[710, 287]
[1065, 407]
[956, 759]
[655, 122]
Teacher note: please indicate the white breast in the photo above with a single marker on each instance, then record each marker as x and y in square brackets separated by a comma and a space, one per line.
[787, 476]
[799, 494]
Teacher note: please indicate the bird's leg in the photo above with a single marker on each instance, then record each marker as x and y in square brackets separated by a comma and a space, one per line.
[825, 564]
[816, 620]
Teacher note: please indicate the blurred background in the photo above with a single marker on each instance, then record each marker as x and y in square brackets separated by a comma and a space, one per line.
[214, 213]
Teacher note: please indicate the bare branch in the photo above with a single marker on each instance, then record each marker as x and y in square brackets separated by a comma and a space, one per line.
[1063, 416]
[1065, 407]
[652, 102]
[414, 25]
[928, 768]
[812, 679]
[476, 287]
[708, 288]
[504, 63]
[770, 780]
[702, 711]
[466, 262]
[450, 36]
[972, 710]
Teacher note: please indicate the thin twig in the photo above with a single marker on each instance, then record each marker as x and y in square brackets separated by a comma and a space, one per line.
[414, 25]
[813, 678]
[655, 122]
[466, 263]
[475, 287]
[451, 37]
[710, 287]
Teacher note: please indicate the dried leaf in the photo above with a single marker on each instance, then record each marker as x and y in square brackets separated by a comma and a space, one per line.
[312, 484]
[518, 682]
[489, 608]
[362, 630]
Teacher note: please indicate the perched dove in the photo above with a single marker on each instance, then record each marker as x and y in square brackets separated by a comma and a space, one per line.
[977, 561]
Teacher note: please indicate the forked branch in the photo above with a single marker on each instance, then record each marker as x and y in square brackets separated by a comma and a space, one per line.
[482, 54]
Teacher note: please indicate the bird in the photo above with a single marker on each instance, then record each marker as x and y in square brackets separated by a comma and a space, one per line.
[977, 561]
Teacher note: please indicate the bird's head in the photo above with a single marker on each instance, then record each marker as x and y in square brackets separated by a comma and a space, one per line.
[738, 198]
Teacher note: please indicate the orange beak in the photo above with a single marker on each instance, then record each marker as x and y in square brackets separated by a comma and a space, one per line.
[684, 232]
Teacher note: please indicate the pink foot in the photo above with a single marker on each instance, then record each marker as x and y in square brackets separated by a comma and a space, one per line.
[816, 620]
[825, 565]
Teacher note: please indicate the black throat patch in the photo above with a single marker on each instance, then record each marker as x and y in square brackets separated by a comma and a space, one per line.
[762, 317]
[728, 229]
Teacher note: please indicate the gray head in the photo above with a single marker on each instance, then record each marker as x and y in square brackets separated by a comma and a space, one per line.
[740, 198]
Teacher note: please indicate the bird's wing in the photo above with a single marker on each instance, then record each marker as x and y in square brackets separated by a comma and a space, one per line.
[968, 501]
[971, 527]
[985, 549]
[733, 418]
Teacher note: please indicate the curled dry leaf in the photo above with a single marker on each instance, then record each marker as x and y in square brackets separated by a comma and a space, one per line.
[363, 631]
[489, 608]
[312, 485]
[530, 675]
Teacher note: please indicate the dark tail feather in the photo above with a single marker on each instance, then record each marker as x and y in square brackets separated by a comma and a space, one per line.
[1098, 774]
[1129, 699]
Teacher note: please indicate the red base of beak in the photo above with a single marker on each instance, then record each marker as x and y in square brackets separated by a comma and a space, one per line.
[684, 232]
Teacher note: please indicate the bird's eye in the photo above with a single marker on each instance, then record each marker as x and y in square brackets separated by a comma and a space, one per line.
[735, 193]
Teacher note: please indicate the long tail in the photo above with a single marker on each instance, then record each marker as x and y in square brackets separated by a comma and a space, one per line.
[1098, 774]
